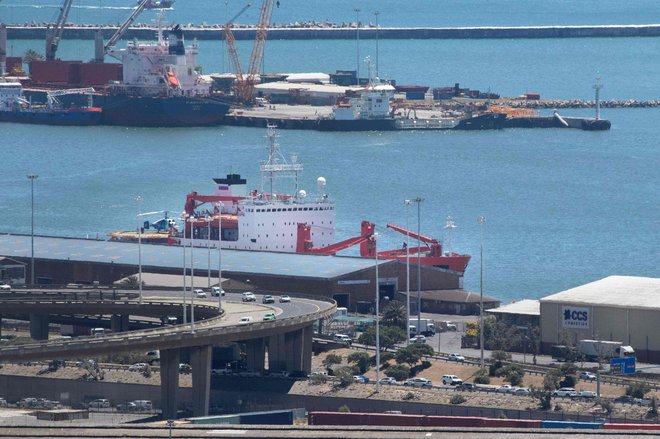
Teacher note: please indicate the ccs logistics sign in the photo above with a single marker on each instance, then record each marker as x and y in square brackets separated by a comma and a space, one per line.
[575, 317]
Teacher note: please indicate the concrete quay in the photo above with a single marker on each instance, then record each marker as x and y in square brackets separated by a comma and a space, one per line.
[215, 32]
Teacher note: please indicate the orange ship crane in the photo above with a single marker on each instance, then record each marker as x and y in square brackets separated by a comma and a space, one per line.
[244, 86]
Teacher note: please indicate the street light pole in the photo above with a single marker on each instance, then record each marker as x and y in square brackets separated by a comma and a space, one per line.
[377, 13]
[32, 177]
[208, 247]
[219, 206]
[183, 246]
[419, 200]
[481, 220]
[357, 41]
[138, 201]
[192, 275]
[375, 237]
[407, 203]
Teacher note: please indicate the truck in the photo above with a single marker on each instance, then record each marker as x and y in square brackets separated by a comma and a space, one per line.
[595, 349]
[426, 327]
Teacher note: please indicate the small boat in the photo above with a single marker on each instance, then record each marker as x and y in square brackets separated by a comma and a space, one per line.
[158, 4]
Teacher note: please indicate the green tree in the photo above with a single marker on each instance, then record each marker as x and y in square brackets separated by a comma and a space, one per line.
[408, 355]
[395, 314]
[344, 376]
[551, 380]
[399, 372]
[331, 360]
[361, 359]
[457, 399]
[637, 390]
[422, 348]
[499, 336]
[389, 337]
[30, 55]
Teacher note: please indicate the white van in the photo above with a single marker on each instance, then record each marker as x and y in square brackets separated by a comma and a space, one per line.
[343, 338]
[143, 405]
[97, 332]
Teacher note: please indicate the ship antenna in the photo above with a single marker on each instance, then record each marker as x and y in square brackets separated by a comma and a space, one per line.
[159, 25]
[277, 163]
[597, 87]
[449, 225]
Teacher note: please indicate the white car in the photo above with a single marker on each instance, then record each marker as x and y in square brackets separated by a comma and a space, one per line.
[387, 380]
[418, 382]
[99, 404]
[285, 299]
[565, 391]
[248, 297]
[506, 389]
[216, 291]
[456, 357]
[245, 320]
[451, 380]
[137, 367]
[199, 294]
[522, 392]
[586, 394]
[587, 376]
[5, 287]
[360, 379]
[418, 339]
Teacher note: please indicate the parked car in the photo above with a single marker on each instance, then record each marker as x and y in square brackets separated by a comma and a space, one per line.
[360, 379]
[565, 391]
[285, 299]
[3, 402]
[248, 297]
[456, 357]
[217, 291]
[185, 368]
[451, 380]
[418, 382]
[268, 299]
[587, 376]
[223, 371]
[418, 339]
[586, 394]
[99, 404]
[450, 326]
[199, 294]
[126, 407]
[137, 367]
[269, 317]
[467, 386]
[387, 380]
[143, 405]
[505, 389]
[522, 392]
[5, 287]
[245, 320]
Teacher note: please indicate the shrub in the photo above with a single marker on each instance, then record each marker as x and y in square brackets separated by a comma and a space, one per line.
[331, 360]
[344, 376]
[568, 381]
[399, 372]
[409, 396]
[637, 390]
[425, 365]
[551, 380]
[146, 372]
[361, 359]
[317, 379]
[514, 377]
[386, 356]
[605, 404]
[482, 378]
[344, 409]
[457, 399]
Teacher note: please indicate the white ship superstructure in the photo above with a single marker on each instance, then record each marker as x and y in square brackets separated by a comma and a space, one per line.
[260, 219]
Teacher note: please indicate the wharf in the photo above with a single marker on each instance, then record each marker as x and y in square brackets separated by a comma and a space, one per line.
[216, 32]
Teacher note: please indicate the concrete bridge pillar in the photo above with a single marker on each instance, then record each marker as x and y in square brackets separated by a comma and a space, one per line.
[39, 326]
[200, 361]
[298, 348]
[169, 382]
[255, 354]
[119, 323]
[307, 347]
[277, 353]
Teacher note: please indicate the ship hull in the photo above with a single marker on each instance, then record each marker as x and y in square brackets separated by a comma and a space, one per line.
[55, 117]
[356, 125]
[486, 121]
[175, 111]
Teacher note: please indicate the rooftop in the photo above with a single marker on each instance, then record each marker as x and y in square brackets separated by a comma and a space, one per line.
[236, 261]
[521, 307]
[457, 296]
[613, 291]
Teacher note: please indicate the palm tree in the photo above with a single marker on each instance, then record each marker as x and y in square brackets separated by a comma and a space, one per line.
[394, 314]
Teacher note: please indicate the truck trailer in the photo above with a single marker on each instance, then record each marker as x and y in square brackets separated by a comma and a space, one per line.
[595, 349]
[426, 327]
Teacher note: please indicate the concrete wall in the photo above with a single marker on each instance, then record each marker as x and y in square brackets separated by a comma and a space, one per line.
[637, 328]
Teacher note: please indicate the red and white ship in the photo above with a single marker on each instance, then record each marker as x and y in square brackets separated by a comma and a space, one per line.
[265, 220]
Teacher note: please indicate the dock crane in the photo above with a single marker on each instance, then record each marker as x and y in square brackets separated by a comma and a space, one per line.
[100, 55]
[231, 44]
[244, 85]
[54, 34]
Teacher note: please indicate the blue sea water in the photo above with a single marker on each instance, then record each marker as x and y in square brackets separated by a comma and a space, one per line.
[563, 207]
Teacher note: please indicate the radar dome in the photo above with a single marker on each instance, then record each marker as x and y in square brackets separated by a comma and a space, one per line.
[302, 193]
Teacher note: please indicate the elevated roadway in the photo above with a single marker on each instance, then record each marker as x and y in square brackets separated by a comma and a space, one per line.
[287, 339]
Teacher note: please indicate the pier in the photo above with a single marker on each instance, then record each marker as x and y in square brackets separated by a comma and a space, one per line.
[216, 32]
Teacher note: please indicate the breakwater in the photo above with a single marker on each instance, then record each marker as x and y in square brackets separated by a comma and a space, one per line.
[215, 32]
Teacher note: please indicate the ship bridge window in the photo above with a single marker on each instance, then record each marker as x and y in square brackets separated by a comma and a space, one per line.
[279, 210]
[289, 209]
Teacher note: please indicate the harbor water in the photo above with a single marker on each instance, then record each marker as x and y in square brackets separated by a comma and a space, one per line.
[562, 207]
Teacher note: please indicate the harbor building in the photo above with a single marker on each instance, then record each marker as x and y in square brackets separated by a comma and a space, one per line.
[617, 308]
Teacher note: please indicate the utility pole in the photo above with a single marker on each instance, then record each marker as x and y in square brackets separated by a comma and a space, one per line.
[32, 177]
[481, 220]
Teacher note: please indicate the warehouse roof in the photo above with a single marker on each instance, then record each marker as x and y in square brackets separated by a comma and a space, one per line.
[165, 256]
[613, 291]
[521, 307]
[455, 296]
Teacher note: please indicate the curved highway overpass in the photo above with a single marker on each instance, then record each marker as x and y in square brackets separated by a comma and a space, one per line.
[287, 339]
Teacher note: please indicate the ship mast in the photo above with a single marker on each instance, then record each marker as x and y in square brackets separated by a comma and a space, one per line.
[277, 165]
[450, 226]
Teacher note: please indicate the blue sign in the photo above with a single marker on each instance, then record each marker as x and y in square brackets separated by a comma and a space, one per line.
[622, 366]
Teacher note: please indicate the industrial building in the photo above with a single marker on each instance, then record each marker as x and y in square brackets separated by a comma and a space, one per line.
[616, 308]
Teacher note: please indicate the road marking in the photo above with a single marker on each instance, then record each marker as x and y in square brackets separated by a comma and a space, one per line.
[223, 432]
